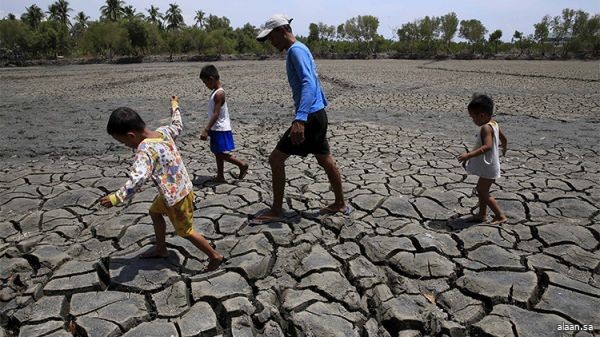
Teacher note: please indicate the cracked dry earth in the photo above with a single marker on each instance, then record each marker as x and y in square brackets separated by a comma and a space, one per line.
[397, 266]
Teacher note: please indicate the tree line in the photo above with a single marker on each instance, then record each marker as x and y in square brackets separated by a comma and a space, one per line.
[571, 34]
[122, 30]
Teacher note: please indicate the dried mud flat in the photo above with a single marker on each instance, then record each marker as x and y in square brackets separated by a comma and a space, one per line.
[394, 267]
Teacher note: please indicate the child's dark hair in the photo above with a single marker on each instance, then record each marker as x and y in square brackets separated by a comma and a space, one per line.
[482, 103]
[124, 120]
[209, 71]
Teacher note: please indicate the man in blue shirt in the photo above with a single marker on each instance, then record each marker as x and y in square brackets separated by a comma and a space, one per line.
[308, 133]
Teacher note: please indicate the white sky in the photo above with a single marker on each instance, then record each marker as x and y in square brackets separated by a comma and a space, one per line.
[507, 15]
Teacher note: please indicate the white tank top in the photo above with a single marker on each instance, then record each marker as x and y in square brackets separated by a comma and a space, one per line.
[486, 165]
[223, 123]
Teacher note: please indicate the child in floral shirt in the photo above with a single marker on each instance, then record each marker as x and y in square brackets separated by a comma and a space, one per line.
[157, 158]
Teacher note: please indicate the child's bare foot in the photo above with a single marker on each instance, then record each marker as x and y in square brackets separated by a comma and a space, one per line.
[213, 264]
[243, 172]
[497, 220]
[154, 253]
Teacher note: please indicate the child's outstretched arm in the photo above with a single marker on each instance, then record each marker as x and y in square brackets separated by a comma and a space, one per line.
[503, 141]
[487, 142]
[176, 125]
[219, 101]
[140, 172]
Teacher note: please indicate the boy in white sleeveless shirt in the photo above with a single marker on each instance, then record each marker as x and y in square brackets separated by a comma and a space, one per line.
[484, 160]
[218, 127]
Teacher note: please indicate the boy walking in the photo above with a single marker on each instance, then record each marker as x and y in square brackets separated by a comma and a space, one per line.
[157, 158]
[218, 127]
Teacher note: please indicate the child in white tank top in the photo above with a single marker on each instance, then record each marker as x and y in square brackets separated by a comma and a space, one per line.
[218, 127]
[484, 160]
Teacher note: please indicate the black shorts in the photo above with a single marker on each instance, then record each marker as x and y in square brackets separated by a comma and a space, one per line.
[315, 137]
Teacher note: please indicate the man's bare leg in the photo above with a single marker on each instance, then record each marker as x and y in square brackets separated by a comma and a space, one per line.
[277, 161]
[335, 179]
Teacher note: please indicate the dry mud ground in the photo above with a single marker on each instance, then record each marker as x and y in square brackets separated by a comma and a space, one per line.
[394, 267]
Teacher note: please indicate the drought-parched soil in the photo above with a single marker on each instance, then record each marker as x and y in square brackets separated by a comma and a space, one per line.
[399, 265]
[63, 110]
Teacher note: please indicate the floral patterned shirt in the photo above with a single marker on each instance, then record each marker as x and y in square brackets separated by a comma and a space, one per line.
[159, 160]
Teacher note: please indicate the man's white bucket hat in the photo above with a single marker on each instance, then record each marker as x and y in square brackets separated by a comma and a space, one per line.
[273, 22]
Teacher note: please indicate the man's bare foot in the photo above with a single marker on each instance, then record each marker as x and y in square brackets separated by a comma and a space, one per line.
[337, 208]
[154, 253]
[243, 172]
[474, 218]
[266, 217]
[497, 220]
[213, 264]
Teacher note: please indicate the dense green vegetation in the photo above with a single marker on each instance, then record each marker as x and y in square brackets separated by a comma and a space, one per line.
[123, 31]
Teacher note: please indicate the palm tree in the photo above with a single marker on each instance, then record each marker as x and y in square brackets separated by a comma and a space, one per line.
[53, 12]
[174, 17]
[81, 23]
[200, 19]
[154, 16]
[113, 10]
[59, 11]
[63, 12]
[129, 12]
[33, 16]
[82, 19]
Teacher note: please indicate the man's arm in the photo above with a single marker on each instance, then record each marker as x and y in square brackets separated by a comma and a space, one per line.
[302, 65]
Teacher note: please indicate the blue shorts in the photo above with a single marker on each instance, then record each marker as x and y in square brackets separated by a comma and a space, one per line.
[221, 141]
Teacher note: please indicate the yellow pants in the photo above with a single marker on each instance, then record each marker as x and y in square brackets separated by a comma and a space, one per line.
[181, 214]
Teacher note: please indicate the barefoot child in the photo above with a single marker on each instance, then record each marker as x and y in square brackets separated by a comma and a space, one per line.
[157, 158]
[219, 125]
[484, 160]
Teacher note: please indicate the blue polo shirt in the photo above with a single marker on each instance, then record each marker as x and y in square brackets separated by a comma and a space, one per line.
[302, 76]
